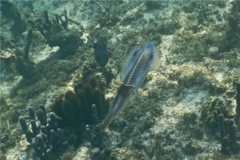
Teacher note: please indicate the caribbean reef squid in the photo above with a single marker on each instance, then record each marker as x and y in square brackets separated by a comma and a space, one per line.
[134, 71]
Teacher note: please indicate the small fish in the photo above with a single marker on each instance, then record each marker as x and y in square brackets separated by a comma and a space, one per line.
[101, 53]
[134, 71]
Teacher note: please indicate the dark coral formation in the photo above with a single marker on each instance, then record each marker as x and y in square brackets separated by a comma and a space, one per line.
[75, 107]
[44, 136]
[23, 65]
[101, 53]
[82, 109]
[77, 115]
[216, 115]
[228, 135]
[57, 33]
[233, 33]
[10, 11]
[237, 84]
[19, 59]
[211, 108]
[94, 133]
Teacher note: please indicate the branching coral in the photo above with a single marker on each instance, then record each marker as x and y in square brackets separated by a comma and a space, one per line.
[211, 108]
[44, 136]
[76, 108]
[57, 33]
[76, 114]
[23, 65]
[10, 11]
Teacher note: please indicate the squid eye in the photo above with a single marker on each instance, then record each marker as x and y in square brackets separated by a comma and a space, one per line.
[151, 57]
[135, 53]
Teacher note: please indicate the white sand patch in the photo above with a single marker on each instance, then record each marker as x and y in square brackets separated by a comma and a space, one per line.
[82, 153]
[44, 54]
[172, 110]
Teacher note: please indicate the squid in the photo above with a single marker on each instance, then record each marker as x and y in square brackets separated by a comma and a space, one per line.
[135, 68]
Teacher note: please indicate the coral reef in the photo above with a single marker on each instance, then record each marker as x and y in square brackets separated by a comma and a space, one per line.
[218, 116]
[9, 10]
[186, 109]
[46, 138]
[211, 109]
[228, 135]
[82, 109]
[232, 34]
[77, 112]
[20, 59]
[74, 107]
[57, 33]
